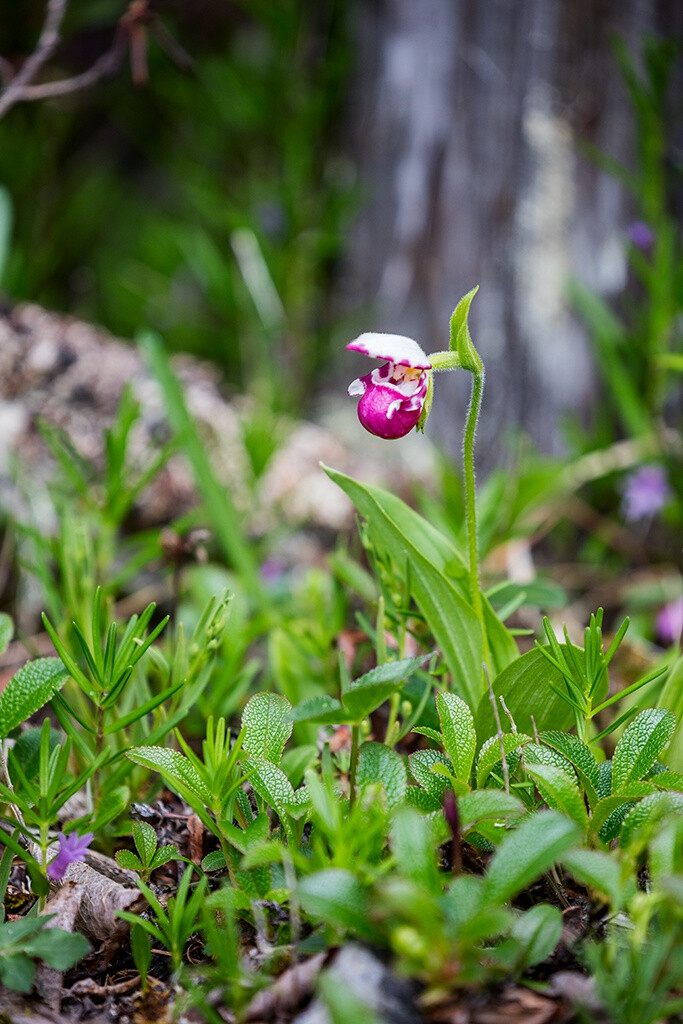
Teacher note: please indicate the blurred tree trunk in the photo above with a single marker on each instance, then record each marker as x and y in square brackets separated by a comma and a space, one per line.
[467, 120]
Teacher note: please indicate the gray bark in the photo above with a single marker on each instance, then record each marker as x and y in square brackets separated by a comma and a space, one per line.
[468, 115]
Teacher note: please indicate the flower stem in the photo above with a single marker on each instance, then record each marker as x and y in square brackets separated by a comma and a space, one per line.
[471, 502]
[353, 767]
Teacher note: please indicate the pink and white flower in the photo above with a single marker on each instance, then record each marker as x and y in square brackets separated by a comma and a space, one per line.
[392, 396]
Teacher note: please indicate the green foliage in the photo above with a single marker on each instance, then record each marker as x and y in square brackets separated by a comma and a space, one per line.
[149, 857]
[28, 690]
[175, 924]
[29, 939]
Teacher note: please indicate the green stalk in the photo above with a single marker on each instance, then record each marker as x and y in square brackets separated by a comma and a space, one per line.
[471, 503]
[353, 766]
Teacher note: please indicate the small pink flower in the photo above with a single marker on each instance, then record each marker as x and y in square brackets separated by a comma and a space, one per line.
[670, 622]
[71, 849]
[392, 396]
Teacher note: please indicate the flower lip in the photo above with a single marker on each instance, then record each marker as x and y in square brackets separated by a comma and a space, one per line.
[396, 348]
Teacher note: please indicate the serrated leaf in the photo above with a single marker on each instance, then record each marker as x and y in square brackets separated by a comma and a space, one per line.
[163, 855]
[457, 729]
[421, 800]
[369, 691]
[642, 820]
[174, 767]
[267, 726]
[322, 708]
[421, 764]
[6, 631]
[379, 763]
[577, 752]
[536, 753]
[527, 853]
[28, 690]
[145, 839]
[668, 780]
[213, 861]
[489, 755]
[129, 860]
[432, 734]
[609, 804]
[272, 785]
[640, 746]
[488, 805]
[601, 873]
[559, 791]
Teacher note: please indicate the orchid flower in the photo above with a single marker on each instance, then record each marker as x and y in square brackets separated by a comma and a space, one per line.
[392, 396]
[71, 849]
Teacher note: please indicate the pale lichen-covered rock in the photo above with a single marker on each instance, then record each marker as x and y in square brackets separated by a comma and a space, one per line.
[71, 374]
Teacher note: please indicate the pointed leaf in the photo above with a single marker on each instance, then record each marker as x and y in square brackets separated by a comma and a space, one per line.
[457, 729]
[267, 726]
[379, 763]
[28, 690]
[421, 764]
[6, 631]
[174, 767]
[640, 746]
[489, 755]
[559, 791]
[527, 853]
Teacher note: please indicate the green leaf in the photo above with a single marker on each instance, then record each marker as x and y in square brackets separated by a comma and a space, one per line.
[527, 853]
[413, 847]
[225, 519]
[536, 753]
[526, 686]
[267, 726]
[460, 338]
[59, 949]
[337, 897]
[421, 764]
[607, 806]
[28, 690]
[369, 691]
[538, 931]
[640, 746]
[488, 805]
[321, 708]
[128, 860]
[643, 821]
[379, 763]
[397, 529]
[174, 767]
[457, 729]
[163, 855]
[6, 631]
[17, 972]
[560, 792]
[601, 873]
[489, 755]
[272, 785]
[145, 839]
[214, 861]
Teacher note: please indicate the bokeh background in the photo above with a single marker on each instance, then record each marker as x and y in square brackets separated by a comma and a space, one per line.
[259, 181]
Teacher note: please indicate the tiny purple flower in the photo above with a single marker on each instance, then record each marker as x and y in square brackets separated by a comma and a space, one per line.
[645, 492]
[392, 396]
[670, 622]
[641, 235]
[71, 849]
